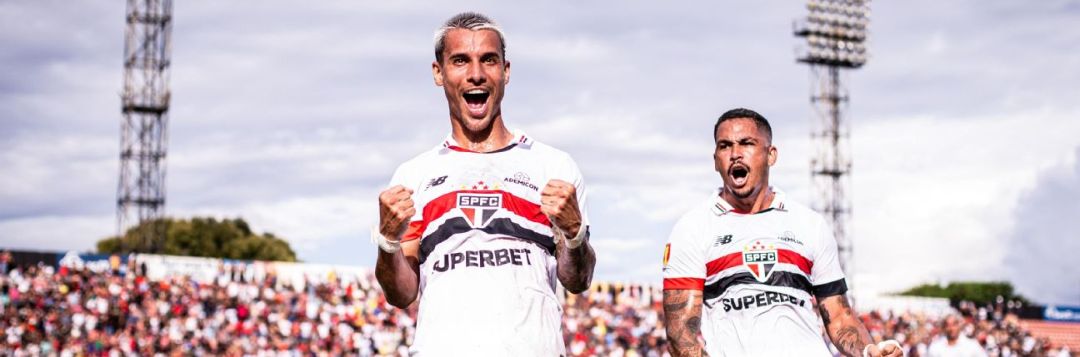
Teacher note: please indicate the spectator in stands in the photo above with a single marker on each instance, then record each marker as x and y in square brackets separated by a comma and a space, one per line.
[73, 311]
[953, 343]
[5, 261]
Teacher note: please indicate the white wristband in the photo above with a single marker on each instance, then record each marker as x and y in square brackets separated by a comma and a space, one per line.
[571, 243]
[881, 346]
[385, 245]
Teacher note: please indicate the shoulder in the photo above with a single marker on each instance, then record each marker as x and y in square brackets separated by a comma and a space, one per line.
[696, 218]
[431, 154]
[556, 163]
[417, 165]
[548, 152]
[803, 216]
[801, 211]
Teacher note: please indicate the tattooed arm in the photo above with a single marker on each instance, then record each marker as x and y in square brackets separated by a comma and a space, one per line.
[398, 273]
[574, 266]
[845, 330]
[682, 319]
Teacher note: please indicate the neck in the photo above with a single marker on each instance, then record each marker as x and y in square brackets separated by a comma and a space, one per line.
[494, 137]
[760, 200]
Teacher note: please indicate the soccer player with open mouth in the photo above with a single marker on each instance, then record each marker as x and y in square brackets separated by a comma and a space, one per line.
[482, 229]
[749, 269]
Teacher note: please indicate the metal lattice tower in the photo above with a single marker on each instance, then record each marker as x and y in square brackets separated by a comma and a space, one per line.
[835, 33]
[140, 197]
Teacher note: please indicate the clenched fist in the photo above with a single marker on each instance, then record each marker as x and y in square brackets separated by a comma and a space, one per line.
[889, 348]
[395, 210]
[558, 201]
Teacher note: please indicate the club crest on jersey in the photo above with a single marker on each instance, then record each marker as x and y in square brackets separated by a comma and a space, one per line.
[667, 254]
[479, 207]
[759, 258]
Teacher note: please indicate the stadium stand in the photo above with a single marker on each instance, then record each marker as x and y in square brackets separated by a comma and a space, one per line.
[1061, 333]
[160, 305]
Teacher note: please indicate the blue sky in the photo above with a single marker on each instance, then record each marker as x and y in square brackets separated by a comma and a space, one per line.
[965, 122]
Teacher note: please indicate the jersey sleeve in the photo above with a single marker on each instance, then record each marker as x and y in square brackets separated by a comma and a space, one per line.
[405, 177]
[567, 170]
[582, 193]
[684, 259]
[826, 274]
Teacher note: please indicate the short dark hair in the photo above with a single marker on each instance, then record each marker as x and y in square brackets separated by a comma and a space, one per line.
[740, 113]
[469, 21]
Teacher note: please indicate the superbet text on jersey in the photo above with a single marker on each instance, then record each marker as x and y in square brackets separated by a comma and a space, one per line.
[487, 264]
[757, 273]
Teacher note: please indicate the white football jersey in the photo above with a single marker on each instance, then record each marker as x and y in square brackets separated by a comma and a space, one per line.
[757, 273]
[487, 264]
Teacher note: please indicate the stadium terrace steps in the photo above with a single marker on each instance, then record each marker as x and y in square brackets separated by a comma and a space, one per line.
[1059, 333]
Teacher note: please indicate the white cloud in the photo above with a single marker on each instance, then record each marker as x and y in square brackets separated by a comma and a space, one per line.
[312, 224]
[1041, 247]
[294, 116]
[57, 233]
[934, 198]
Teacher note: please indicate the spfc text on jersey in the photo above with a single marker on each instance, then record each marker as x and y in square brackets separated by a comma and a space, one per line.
[480, 200]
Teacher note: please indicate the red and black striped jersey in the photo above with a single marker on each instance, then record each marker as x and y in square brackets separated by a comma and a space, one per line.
[487, 266]
[758, 273]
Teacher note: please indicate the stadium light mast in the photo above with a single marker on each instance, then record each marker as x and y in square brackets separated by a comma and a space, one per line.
[140, 196]
[835, 33]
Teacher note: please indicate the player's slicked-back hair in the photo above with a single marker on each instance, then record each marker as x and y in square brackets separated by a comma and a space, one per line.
[468, 21]
[739, 113]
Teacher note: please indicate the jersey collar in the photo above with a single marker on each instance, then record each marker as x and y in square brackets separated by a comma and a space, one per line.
[520, 139]
[720, 206]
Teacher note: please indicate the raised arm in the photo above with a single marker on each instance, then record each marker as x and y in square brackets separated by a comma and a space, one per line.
[574, 256]
[847, 332]
[397, 267]
[682, 320]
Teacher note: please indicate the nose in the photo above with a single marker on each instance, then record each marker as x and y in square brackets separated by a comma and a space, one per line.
[475, 74]
[735, 154]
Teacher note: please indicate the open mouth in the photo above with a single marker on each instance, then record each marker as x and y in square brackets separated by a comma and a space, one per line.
[476, 101]
[738, 174]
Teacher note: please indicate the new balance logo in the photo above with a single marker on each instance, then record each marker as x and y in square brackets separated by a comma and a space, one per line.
[435, 182]
[722, 239]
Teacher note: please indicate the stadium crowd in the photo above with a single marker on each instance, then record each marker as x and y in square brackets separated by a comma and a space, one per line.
[995, 327]
[76, 312]
[71, 312]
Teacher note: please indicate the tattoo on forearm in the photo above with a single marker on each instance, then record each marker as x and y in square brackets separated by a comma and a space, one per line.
[682, 317]
[575, 266]
[845, 304]
[845, 329]
[847, 340]
[693, 325]
[824, 315]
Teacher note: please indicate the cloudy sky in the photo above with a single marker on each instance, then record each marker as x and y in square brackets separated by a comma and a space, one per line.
[966, 123]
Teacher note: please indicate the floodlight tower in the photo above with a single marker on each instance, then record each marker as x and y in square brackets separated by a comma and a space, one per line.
[835, 33]
[140, 197]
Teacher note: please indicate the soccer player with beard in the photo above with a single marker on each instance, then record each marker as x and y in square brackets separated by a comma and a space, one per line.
[485, 226]
[745, 268]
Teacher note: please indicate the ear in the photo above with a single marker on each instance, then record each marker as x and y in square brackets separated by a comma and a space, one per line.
[506, 73]
[716, 160]
[772, 154]
[436, 72]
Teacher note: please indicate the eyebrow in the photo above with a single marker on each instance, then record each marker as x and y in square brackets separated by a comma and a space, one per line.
[745, 138]
[482, 55]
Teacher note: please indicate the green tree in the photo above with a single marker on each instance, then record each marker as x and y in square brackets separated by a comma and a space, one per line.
[202, 237]
[977, 292]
